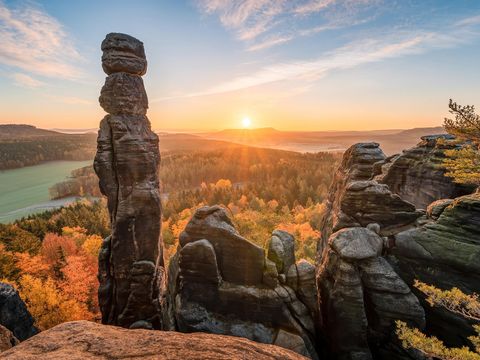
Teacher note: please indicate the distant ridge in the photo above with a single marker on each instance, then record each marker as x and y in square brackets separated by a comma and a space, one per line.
[392, 141]
[23, 131]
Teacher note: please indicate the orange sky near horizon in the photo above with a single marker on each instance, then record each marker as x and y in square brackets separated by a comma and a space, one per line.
[368, 65]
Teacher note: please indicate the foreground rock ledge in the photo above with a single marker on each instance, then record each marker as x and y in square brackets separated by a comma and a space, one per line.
[88, 340]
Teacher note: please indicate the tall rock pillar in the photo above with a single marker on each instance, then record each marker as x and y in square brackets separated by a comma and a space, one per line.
[130, 262]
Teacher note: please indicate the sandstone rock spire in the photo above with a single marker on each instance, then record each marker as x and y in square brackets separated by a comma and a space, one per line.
[127, 160]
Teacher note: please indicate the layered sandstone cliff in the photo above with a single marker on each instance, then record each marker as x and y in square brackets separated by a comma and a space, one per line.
[375, 243]
[127, 160]
[221, 283]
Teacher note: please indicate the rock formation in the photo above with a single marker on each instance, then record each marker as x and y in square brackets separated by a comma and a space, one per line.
[445, 251]
[375, 243]
[221, 283]
[417, 175]
[127, 160]
[14, 314]
[7, 340]
[83, 340]
[357, 200]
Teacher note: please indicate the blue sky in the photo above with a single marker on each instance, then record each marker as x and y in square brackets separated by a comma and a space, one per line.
[296, 64]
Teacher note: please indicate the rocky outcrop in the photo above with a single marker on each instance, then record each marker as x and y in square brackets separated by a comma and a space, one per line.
[14, 314]
[7, 340]
[375, 244]
[221, 283]
[362, 297]
[444, 252]
[83, 340]
[417, 174]
[357, 200]
[127, 160]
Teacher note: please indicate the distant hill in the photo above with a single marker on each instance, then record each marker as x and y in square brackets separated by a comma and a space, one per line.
[26, 145]
[13, 131]
[392, 141]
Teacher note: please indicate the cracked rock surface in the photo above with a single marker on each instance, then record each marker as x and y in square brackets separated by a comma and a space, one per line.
[127, 160]
[219, 282]
[83, 340]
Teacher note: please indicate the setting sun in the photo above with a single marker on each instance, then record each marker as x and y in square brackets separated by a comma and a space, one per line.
[246, 122]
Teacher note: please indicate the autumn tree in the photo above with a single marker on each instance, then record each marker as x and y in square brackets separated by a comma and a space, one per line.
[463, 165]
[453, 300]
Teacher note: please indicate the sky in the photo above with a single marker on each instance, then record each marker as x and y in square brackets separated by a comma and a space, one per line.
[287, 64]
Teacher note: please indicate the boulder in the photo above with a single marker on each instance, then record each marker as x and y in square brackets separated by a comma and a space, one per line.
[83, 340]
[239, 260]
[123, 53]
[14, 314]
[124, 93]
[356, 243]
[281, 250]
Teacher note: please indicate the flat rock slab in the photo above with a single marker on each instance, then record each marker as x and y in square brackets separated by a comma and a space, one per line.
[83, 340]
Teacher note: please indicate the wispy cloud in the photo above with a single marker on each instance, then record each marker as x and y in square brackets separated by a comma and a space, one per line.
[26, 81]
[70, 100]
[351, 55]
[37, 43]
[272, 41]
[312, 6]
[262, 24]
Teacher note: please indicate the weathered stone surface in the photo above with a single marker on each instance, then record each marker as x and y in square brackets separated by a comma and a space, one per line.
[417, 174]
[356, 200]
[270, 275]
[7, 340]
[281, 250]
[362, 296]
[198, 263]
[301, 278]
[291, 341]
[435, 209]
[14, 314]
[356, 243]
[221, 283]
[239, 260]
[127, 160]
[364, 287]
[83, 340]
[124, 94]
[123, 53]
[444, 253]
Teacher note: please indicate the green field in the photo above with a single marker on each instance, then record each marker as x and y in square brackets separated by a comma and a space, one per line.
[24, 191]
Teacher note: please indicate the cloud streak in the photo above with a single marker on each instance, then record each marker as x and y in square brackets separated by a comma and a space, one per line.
[35, 42]
[262, 24]
[352, 55]
[26, 81]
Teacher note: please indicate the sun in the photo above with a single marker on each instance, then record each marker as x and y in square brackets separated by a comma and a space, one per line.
[246, 122]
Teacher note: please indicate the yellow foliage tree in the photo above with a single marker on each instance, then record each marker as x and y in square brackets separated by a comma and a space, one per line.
[455, 301]
[47, 304]
[463, 165]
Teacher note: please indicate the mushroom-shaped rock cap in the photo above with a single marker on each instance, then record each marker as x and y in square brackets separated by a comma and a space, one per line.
[123, 53]
[356, 243]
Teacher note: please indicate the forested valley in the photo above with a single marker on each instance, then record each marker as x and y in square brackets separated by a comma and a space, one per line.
[52, 257]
